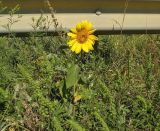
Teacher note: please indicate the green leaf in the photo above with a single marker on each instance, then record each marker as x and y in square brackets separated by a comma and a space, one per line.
[63, 90]
[57, 124]
[75, 125]
[72, 76]
[103, 123]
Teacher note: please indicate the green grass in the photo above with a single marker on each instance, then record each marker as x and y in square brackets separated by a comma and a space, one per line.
[119, 84]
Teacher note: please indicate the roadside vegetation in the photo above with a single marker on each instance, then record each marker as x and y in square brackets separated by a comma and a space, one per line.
[45, 86]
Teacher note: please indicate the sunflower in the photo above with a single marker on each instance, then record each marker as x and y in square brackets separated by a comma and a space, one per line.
[82, 38]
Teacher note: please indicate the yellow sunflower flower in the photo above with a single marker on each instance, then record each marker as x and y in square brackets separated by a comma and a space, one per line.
[82, 38]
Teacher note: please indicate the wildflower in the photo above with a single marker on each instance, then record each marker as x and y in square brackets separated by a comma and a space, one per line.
[82, 38]
[76, 97]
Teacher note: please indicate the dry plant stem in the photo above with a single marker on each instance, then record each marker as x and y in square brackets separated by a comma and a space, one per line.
[124, 14]
[73, 109]
[55, 21]
[52, 14]
[129, 82]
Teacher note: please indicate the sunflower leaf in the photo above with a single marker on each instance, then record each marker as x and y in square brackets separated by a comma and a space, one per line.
[72, 76]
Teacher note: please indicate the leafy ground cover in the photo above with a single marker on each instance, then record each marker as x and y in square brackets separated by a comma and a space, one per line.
[44, 86]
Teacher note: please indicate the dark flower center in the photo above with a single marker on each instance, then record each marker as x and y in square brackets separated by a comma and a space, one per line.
[82, 35]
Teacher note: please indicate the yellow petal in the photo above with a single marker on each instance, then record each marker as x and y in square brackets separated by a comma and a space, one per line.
[72, 35]
[91, 41]
[93, 37]
[84, 24]
[74, 30]
[74, 47]
[91, 31]
[71, 42]
[78, 26]
[85, 48]
[89, 44]
[89, 26]
[78, 48]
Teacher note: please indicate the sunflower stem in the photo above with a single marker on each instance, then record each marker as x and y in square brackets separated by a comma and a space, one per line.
[82, 59]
